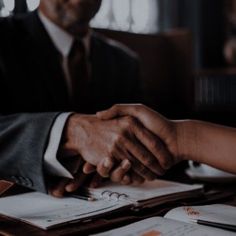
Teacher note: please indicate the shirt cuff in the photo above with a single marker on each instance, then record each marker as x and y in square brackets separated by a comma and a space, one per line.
[53, 166]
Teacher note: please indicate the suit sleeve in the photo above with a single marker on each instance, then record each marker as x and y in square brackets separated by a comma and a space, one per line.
[52, 164]
[23, 140]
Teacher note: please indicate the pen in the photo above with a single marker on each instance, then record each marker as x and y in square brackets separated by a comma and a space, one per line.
[215, 224]
[82, 197]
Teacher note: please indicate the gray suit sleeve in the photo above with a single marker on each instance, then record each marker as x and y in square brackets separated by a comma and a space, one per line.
[23, 140]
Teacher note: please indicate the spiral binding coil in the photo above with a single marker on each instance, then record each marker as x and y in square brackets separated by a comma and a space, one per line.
[114, 195]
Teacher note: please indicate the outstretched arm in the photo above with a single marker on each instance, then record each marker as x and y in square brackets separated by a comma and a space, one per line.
[186, 139]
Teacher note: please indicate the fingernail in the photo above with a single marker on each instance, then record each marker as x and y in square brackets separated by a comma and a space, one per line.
[107, 163]
[125, 164]
[57, 193]
[126, 179]
[69, 188]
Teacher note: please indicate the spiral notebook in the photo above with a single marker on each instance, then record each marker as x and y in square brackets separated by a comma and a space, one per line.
[47, 212]
[146, 195]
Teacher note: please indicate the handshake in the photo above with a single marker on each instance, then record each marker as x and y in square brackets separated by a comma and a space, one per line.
[126, 143]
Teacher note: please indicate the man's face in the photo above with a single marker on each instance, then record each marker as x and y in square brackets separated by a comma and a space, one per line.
[72, 15]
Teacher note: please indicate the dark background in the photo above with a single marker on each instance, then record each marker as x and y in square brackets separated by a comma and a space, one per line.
[206, 19]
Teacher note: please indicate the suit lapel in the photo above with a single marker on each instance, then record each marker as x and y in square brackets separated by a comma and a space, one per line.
[104, 75]
[99, 63]
[48, 61]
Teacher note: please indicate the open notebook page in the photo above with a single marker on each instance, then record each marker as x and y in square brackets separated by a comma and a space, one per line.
[158, 226]
[45, 212]
[148, 190]
[217, 213]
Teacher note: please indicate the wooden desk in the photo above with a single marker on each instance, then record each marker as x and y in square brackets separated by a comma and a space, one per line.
[215, 194]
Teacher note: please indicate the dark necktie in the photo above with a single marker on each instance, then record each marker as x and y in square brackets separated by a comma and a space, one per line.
[78, 71]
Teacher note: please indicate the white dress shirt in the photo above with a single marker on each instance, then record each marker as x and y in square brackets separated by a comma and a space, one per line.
[63, 42]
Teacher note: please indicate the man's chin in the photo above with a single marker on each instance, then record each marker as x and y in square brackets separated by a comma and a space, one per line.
[78, 29]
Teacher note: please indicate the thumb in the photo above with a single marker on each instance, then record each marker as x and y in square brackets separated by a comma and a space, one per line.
[110, 113]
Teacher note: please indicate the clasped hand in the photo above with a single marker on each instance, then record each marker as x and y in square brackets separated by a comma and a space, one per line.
[116, 145]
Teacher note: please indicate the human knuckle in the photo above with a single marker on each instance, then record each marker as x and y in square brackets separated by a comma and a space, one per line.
[163, 159]
[142, 169]
[148, 161]
[165, 162]
[116, 107]
[153, 144]
[129, 121]
[122, 134]
[156, 145]
[137, 107]
[143, 157]
[119, 138]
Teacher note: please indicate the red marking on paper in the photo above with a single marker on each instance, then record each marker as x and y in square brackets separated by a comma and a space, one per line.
[152, 233]
[191, 212]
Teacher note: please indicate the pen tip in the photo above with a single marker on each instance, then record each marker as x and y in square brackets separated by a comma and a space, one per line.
[91, 199]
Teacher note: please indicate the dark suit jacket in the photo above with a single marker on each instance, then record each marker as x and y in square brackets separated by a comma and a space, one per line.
[33, 92]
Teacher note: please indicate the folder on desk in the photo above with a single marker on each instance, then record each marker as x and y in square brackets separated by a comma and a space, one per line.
[4, 186]
[47, 212]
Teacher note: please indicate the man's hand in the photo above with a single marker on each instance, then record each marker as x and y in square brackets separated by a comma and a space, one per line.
[118, 139]
[59, 186]
[165, 129]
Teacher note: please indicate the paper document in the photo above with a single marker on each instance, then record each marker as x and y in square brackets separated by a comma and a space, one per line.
[145, 191]
[45, 211]
[158, 226]
[216, 213]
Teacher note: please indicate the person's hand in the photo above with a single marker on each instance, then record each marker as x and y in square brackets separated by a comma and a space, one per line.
[84, 174]
[165, 129]
[121, 174]
[98, 141]
[59, 186]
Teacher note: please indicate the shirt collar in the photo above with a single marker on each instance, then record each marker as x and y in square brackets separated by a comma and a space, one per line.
[62, 40]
